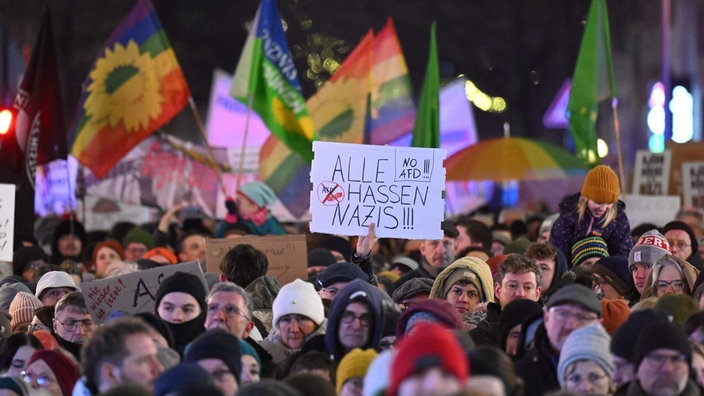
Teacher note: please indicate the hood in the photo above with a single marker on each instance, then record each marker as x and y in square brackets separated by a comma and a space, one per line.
[355, 291]
[478, 267]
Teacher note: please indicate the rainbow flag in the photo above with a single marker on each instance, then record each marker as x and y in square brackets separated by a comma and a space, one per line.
[266, 81]
[367, 100]
[134, 88]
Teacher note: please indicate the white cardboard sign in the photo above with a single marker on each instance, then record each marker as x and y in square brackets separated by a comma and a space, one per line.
[651, 175]
[693, 184]
[7, 221]
[400, 189]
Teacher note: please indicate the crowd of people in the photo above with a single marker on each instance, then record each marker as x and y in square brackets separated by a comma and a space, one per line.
[577, 302]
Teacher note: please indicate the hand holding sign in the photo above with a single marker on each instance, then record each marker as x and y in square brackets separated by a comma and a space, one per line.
[365, 243]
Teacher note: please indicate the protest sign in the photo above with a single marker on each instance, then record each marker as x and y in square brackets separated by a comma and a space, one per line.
[287, 254]
[651, 175]
[131, 293]
[658, 210]
[7, 221]
[693, 184]
[397, 188]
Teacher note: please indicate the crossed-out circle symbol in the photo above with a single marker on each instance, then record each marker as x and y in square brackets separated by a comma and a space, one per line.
[330, 193]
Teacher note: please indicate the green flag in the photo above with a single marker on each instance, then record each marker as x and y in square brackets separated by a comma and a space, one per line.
[426, 130]
[593, 82]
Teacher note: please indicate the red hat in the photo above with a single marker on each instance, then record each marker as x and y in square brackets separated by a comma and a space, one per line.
[64, 369]
[112, 244]
[429, 345]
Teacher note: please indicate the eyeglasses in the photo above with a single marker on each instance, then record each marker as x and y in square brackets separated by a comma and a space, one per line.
[679, 244]
[677, 285]
[229, 310]
[658, 359]
[592, 378]
[42, 380]
[72, 325]
[328, 292]
[365, 319]
[563, 315]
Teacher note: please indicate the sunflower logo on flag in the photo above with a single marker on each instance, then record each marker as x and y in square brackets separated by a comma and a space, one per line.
[124, 87]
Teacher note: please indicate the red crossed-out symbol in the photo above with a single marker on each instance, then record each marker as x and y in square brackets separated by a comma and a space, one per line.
[330, 193]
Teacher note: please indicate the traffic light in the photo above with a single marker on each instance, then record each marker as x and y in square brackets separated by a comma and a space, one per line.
[7, 120]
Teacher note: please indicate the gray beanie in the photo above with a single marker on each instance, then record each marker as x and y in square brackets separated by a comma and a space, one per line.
[651, 246]
[589, 342]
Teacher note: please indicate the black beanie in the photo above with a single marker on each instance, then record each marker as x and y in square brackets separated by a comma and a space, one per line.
[217, 344]
[657, 336]
[624, 339]
[26, 255]
[682, 226]
[181, 282]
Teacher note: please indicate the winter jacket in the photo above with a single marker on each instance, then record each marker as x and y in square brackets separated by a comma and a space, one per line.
[568, 230]
[538, 367]
[474, 265]
[280, 352]
[263, 291]
[486, 332]
[633, 388]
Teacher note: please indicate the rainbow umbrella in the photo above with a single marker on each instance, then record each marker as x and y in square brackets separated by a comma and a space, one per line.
[512, 158]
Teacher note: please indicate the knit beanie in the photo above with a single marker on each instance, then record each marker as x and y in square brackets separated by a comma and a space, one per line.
[462, 275]
[320, 258]
[54, 279]
[8, 292]
[515, 313]
[340, 272]
[376, 380]
[412, 287]
[661, 335]
[259, 193]
[588, 247]
[575, 293]
[651, 246]
[24, 256]
[139, 235]
[613, 314]
[676, 307]
[22, 309]
[247, 349]
[437, 311]
[112, 244]
[353, 364]
[337, 243]
[300, 298]
[216, 344]
[589, 342]
[160, 251]
[614, 270]
[601, 185]
[430, 345]
[181, 376]
[64, 369]
[181, 282]
[48, 341]
[624, 338]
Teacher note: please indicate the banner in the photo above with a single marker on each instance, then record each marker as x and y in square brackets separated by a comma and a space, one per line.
[397, 188]
[287, 254]
[7, 221]
[658, 210]
[651, 173]
[131, 293]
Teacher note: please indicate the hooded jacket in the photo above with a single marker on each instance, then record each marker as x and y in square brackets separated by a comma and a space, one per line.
[568, 229]
[355, 291]
[472, 264]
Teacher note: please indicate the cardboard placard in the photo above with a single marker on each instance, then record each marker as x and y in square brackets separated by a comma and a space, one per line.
[656, 209]
[131, 293]
[7, 221]
[651, 175]
[693, 184]
[287, 254]
[397, 188]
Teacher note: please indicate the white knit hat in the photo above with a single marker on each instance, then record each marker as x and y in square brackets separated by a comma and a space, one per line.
[300, 298]
[589, 342]
[378, 374]
[54, 279]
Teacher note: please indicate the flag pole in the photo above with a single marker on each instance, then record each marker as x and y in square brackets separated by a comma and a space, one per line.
[201, 129]
[617, 132]
[250, 103]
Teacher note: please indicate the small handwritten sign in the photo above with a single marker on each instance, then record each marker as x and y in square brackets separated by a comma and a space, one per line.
[7, 220]
[287, 254]
[397, 188]
[651, 175]
[693, 184]
[131, 293]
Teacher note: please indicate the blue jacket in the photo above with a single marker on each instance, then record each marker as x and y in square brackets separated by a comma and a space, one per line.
[568, 230]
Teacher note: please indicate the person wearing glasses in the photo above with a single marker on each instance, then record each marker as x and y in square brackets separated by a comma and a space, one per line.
[355, 319]
[586, 364]
[571, 307]
[683, 242]
[72, 323]
[670, 275]
[298, 317]
[52, 372]
[662, 358]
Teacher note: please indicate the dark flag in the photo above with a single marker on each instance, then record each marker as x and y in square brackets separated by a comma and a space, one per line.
[40, 133]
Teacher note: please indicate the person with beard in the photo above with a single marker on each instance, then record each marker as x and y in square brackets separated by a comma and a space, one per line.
[72, 323]
[180, 302]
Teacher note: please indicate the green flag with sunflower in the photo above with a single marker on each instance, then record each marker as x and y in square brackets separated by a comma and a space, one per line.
[134, 87]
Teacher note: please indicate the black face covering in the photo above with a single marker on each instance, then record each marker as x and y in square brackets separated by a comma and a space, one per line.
[187, 331]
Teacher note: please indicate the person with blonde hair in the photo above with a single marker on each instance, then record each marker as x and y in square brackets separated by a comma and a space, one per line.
[670, 275]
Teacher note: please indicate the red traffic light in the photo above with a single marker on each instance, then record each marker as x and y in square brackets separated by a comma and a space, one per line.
[5, 121]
